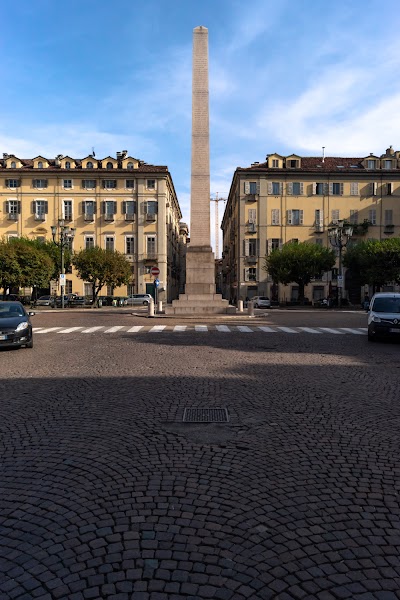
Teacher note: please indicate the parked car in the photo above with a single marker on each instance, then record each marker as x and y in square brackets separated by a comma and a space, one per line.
[15, 325]
[384, 316]
[135, 299]
[45, 301]
[12, 298]
[261, 302]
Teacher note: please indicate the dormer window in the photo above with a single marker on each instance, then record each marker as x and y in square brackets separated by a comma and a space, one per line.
[371, 164]
[13, 164]
[129, 166]
[109, 166]
[292, 164]
[67, 165]
[275, 163]
[387, 164]
[89, 165]
[40, 165]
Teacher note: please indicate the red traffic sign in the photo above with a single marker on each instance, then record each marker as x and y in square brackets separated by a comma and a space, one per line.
[155, 271]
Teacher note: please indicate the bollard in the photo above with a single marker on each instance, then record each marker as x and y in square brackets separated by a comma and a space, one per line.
[240, 305]
[250, 308]
[151, 308]
[159, 309]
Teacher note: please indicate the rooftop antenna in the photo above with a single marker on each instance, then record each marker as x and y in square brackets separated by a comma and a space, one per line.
[323, 154]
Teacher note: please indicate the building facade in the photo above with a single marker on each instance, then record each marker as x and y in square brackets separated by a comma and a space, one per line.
[119, 203]
[296, 198]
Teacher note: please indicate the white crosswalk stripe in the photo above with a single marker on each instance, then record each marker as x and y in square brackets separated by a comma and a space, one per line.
[180, 327]
[224, 328]
[244, 329]
[200, 328]
[268, 329]
[135, 328]
[46, 330]
[157, 328]
[288, 330]
[69, 330]
[93, 329]
[309, 330]
[351, 330]
[114, 329]
[330, 330]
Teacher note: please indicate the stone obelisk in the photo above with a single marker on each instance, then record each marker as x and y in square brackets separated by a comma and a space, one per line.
[200, 296]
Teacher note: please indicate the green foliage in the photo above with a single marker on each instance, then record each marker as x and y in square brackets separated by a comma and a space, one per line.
[10, 271]
[102, 267]
[54, 252]
[299, 263]
[35, 265]
[376, 262]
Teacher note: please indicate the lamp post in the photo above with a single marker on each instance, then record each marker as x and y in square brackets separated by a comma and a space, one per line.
[339, 237]
[65, 235]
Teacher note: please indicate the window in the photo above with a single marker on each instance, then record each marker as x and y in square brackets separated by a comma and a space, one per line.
[320, 189]
[389, 189]
[253, 247]
[318, 292]
[275, 244]
[151, 184]
[275, 163]
[129, 209]
[292, 163]
[130, 184]
[335, 215]
[151, 245]
[354, 189]
[68, 286]
[67, 165]
[109, 166]
[387, 164]
[89, 242]
[129, 244]
[40, 165]
[13, 183]
[253, 187]
[252, 215]
[372, 188]
[67, 210]
[40, 183]
[109, 184]
[13, 209]
[276, 188]
[297, 188]
[372, 216]
[275, 216]
[40, 207]
[336, 189]
[109, 242]
[150, 209]
[295, 217]
[319, 218]
[89, 165]
[13, 164]
[109, 209]
[129, 166]
[354, 217]
[250, 274]
[67, 184]
[371, 164]
[88, 290]
[89, 209]
[89, 184]
[388, 217]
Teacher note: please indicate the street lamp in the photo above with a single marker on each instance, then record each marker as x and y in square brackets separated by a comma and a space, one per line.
[339, 237]
[65, 235]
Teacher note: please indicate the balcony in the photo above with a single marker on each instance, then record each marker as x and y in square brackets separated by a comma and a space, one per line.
[149, 256]
[40, 217]
[389, 229]
[108, 217]
[89, 216]
[251, 197]
[129, 217]
[13, 216]
[150, 217]
[318, 228]
[251, 259]
[251, 227]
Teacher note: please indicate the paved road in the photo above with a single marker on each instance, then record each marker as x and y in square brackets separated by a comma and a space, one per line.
[106, 493]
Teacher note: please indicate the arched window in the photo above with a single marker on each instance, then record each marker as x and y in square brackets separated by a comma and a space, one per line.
[129, 166]
[13, 164]
[109, 166]
[67, 165]
[40, 165]
[89, 165]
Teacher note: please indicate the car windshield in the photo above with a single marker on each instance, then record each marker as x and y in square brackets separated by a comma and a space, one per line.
[11, 310]
[263, 298]
[386, 305]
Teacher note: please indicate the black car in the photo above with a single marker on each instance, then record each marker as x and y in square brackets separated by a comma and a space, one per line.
[15, 325]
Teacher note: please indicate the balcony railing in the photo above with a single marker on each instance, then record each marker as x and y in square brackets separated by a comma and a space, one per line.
[40, 217]
[13, 216]
[149, 256]
[251, 197]
[89, 216]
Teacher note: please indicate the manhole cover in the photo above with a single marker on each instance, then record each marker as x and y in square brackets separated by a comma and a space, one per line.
[205, 415]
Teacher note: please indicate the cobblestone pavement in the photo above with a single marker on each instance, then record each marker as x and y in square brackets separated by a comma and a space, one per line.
[106, 493]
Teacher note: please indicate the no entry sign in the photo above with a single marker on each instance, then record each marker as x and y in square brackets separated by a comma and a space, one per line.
[155, 271]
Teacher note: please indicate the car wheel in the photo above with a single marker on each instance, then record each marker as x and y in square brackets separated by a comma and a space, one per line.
[29, 344]
[145, 303]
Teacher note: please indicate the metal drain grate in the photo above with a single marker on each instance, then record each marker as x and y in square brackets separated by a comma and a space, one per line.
[205, 415]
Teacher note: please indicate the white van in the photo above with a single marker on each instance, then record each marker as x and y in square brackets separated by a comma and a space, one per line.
[384, 315]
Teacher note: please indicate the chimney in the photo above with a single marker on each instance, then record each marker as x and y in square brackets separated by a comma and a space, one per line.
[5, 155]
[323, 154]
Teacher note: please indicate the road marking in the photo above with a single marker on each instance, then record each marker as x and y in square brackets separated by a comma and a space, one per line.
[224, 328]
[268, 329]
[92, 329]
[113, 329]
[245, 329]
[46, 330]
[350, 330]
[330, 330]
[180, 327]
[200, 328]
[288, 330]
[157, 328]
[69, 330]
[363, 328]
[309, 330]
[135, 328]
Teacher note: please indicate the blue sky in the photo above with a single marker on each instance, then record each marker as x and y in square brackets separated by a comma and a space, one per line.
[285, 77]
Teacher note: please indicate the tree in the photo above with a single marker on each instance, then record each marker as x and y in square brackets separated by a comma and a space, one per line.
[36, 266]
[376, 262]
[54, 252]
[299, 263]
[10, 272]
[102, 267]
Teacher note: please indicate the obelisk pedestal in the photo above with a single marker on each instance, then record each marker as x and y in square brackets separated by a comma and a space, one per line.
[200, 296]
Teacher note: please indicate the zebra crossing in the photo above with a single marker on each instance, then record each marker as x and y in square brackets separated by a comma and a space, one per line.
[199, 329]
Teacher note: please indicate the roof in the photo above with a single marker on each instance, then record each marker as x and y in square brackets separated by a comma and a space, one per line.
[314, 163]
[27, 165]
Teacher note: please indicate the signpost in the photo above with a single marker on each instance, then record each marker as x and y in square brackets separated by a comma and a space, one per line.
[154, 271]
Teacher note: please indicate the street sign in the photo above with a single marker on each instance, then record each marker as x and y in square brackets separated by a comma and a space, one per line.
[155, 271]
[62, 279]
[156, 282]
[340, 281]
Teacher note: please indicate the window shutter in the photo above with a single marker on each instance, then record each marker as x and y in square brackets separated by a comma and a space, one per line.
[280, 187]
[19, 207]
[326, 189]
[353, 189]
[104, 207]
[45, 183]
[300, 217]
[144, 208]
[268, 247]
[372, 188]
[115, 207]
[341, 189]
[104, 184]
[246, 247]
[34, 207]
[289, 188]
[301, 188]
[247, 187]
[280, 244]
[257, 247]
[331, 188]
[314, 188]
[46, 207]
[258, 188]
[34, 183]
[7, 182]
[269, 186]
[289, 217]
[83, 207]
[123, 207]
[246, 274]
[372, 216]
[8, 206]
[252, 215]
[83, 184]
[134, 207]
[94, 207]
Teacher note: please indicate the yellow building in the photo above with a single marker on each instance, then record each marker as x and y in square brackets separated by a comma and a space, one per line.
[298, 198]
[117, 203]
